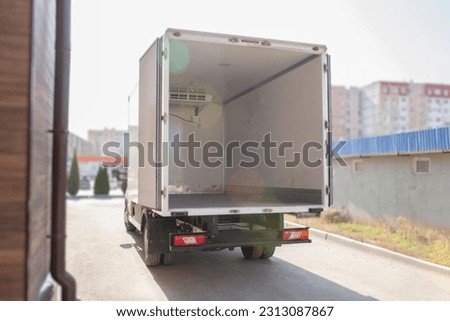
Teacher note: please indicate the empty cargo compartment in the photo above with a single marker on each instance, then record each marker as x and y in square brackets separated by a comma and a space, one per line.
[241, 119]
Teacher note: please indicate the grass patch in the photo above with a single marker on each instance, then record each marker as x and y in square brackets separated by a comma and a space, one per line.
[400, 235]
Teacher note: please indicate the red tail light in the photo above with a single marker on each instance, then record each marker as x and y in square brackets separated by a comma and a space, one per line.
[292, 235]
[189, 240]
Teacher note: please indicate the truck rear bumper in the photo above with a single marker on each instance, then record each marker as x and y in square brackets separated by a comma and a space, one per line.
[238, 238]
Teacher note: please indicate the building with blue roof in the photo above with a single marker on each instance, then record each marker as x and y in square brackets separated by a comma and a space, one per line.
[406, 174]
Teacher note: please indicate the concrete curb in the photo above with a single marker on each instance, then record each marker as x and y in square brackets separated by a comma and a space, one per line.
[377, 250]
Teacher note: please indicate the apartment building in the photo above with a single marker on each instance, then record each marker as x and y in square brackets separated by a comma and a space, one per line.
[388, 107]
[437, 100]
[101, 136]
[345, 112]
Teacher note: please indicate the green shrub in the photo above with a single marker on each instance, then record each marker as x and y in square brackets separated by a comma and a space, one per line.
[101, 185]
[73, 181]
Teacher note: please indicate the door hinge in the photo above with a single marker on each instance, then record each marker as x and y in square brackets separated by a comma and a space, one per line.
[326, 124]
[164, 53]
[164, 118]
[327, 190]
[163, 192]
[325, 67]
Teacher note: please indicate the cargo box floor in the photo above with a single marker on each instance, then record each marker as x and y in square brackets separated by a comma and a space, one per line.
[227, 200]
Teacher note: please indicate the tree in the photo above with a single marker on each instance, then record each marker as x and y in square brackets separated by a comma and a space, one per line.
[73, 181]
[101, 185]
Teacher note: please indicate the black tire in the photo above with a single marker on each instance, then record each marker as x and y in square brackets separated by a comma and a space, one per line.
[150, 259]
[252, 252]
[128, 226]
[267, 252]
[167, 258]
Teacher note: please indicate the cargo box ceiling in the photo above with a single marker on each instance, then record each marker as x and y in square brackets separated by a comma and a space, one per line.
[227, 69]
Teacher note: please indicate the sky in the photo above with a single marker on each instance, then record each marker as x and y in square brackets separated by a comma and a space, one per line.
[402, 40]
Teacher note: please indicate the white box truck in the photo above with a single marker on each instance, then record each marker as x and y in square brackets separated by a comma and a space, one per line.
[226, 135]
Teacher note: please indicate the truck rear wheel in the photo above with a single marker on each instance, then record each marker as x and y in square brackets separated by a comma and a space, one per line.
[267, 252]
[150, 259]
[128, 226]
[252, 252]
[167, 258]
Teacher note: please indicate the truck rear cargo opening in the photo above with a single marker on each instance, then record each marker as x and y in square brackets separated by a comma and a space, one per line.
[233, 133]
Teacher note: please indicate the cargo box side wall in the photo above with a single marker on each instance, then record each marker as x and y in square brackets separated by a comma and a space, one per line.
[143, 158]
[290, 108]
[133, 153]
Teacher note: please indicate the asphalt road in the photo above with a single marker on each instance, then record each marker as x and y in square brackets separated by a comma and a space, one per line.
[107, 263]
